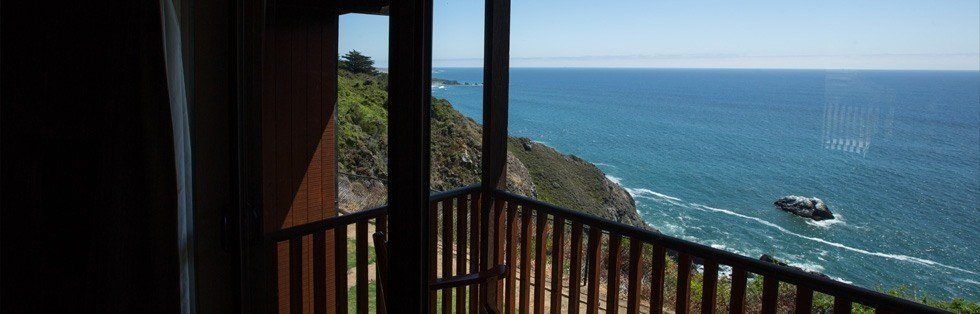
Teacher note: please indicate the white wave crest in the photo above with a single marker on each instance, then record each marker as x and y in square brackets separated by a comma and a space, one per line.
[809, 267]
[969, 281]
[641, 192]
[604, 164]
[615, 180]
[838, 219]
[899, 257]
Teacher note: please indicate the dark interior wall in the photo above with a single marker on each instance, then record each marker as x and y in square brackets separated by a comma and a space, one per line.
[212, 113]
[88, 177]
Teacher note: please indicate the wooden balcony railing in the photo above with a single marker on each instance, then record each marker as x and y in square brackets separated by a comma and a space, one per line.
[601, 265]
[308, 286]
[645, 259]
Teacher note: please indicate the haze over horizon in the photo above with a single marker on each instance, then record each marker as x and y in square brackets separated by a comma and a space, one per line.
[837, 34]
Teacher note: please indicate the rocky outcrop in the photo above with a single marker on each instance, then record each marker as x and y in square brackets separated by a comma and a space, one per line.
[573, 183]
[809, 207]
[533, 169]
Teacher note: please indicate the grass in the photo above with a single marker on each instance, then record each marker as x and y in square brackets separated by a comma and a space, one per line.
[372, 290]
[352, 254]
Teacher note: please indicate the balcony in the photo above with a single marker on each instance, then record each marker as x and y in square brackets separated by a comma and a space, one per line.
[606, 266]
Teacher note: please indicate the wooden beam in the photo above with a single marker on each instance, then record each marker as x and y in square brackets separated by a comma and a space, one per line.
[495, 80]
[409, 77]
[375, 7]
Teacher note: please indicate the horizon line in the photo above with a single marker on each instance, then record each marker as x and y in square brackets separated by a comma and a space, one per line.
[713, 68]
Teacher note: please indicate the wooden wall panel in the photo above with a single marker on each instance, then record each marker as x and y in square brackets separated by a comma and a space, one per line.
[299, 95]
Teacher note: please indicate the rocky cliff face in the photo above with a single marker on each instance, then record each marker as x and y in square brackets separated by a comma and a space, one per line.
[533, 169]
[573, 183]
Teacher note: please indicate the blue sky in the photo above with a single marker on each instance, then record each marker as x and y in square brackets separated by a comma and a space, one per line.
[830, 34]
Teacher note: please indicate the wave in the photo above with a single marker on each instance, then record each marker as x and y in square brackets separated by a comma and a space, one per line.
[899, 257]
[604, 165]
[838, 219]
[647, 193]
[969, 281]
[653, 195]
[809, 267]
[615, 180]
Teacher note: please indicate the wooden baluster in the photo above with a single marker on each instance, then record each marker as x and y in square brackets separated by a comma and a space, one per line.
[511, 256]
[841, 305]
[447, 252]
[433, 251]
[498, 251]
[525, 305]
[296, 275]
[361, 254]
[592, 273]
[737, 301]
[770, 291]
[804, 300]
[709, 287]
[340, 268]
[575, 275]
[633, 295]
[683, 283]
[474, 249]
[380, 225]
[615, 263]
[557, 263]
[657, 282]
[539, 263]
[319, 273]
[461, 227]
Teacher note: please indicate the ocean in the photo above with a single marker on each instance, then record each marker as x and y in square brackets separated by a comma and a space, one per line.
[704, 152]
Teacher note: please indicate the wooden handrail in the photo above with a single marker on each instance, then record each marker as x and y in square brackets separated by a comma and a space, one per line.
[454, 193]
[333, 222]
[781, 273]
[326, 224]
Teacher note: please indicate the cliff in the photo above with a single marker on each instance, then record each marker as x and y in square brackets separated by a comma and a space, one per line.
[533, 169]
[573, 183]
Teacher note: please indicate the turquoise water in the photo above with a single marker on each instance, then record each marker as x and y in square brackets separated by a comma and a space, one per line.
[894, 154]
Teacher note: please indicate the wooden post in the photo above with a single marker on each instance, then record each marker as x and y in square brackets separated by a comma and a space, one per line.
[496, 55]
[409, 77]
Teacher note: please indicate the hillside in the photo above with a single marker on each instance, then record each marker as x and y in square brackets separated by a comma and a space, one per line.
[533, 169]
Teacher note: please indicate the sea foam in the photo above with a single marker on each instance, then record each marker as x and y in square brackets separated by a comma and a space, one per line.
[899, 257]
[656, 196]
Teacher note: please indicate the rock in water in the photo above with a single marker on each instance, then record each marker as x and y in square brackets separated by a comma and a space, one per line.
[809, 207]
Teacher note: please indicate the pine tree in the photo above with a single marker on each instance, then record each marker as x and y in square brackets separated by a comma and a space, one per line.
[355, 62]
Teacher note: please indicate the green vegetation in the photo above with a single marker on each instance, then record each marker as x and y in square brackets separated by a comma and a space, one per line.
[352, 254]
[372, 304]
[362, 123]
